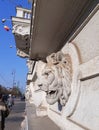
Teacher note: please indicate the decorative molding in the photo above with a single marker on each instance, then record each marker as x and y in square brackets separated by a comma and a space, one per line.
[27, 92]
[89, 69]
[22, 54]
[21, 30]
[22, 34]
[30, 64]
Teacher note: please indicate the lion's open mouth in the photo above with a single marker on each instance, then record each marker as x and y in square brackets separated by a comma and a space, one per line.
[52, 94]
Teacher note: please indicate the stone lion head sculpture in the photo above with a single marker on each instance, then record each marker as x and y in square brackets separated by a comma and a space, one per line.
[56, 77]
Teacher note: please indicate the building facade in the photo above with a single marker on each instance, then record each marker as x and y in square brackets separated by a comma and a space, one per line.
[61, 43]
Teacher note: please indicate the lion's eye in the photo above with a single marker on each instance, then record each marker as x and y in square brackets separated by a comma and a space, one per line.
[53, 56]
[65, 62]
[20, 30]
[46, 74]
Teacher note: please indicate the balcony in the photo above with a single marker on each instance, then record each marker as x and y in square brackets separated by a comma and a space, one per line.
[21, 31]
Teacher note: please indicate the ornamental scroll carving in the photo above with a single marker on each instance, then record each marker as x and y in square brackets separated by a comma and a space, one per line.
[22, 54]
[56, 78]
[30, 65]
[21, 30]
[27, 93]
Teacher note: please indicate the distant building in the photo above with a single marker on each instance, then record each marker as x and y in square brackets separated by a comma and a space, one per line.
[21, 30]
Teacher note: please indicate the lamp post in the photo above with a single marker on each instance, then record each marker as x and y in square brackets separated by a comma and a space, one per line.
[13, 82]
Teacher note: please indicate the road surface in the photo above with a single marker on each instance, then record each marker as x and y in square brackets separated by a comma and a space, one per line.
[16, 116]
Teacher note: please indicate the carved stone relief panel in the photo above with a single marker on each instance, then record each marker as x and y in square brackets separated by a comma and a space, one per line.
[81, 110]
[22, 38]
[56, 78]
[22, 30]
[63, 72]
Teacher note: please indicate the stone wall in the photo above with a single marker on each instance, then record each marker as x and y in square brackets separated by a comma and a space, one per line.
[67, 87]
[81, 110]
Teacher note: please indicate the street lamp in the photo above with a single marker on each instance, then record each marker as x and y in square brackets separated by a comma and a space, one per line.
[13, 82]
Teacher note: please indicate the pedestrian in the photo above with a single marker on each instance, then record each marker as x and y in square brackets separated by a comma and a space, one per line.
[10, 101]
[3, 110]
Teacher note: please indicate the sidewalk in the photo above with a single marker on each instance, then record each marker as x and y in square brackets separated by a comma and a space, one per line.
[38, 123]
[16, 116]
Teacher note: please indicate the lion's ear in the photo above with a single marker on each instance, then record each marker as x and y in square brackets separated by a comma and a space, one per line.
[51, 57]
[59, 56]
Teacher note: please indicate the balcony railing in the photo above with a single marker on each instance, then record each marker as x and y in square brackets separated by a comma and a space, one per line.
[27, 15]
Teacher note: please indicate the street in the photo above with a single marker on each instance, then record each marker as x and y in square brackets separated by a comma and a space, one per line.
[16, 116]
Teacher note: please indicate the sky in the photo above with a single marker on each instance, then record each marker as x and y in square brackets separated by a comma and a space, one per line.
[10, 64]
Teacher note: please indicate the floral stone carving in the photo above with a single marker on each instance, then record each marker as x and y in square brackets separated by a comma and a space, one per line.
[56, 78]
[21, 30]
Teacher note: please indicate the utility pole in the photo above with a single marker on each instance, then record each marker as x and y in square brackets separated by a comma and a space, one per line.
[13, 74]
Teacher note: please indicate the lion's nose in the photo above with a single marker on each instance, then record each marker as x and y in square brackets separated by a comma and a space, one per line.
[43, 87]
[40, 85]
